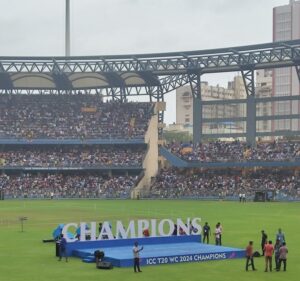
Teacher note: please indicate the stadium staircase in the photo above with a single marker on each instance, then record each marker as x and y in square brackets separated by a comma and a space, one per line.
[150, 163]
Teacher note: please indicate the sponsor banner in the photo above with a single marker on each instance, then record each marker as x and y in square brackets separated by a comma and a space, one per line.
[187, 258]
[51, 168]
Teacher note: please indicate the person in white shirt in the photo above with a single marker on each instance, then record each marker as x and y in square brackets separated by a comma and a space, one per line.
[218, 232]
[136, 257]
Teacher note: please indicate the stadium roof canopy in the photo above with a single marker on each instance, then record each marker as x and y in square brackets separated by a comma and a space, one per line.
[166, 71]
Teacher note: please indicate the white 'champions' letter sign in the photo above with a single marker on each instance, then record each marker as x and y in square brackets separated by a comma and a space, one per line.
[135, 229]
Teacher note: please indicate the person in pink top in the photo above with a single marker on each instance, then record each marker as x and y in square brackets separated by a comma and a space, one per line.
[269, 251]
[283, 256]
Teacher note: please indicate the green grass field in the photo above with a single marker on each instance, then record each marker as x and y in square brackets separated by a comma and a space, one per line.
[23, 256]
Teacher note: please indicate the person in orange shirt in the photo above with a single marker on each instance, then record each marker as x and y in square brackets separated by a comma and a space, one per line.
[269, 251]
[249, 256]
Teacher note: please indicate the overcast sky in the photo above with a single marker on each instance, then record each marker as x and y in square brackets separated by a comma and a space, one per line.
[104, 27]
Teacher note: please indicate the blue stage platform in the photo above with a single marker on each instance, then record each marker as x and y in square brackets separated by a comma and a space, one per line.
[159, 250]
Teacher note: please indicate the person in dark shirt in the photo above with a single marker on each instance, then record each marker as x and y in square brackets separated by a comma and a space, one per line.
[206, 232]
[62, 248]
[276, 253]
[249, 256]
[264, 239]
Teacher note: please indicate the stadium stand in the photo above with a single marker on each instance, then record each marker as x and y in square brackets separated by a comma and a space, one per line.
[226, 184]
[64, 169]
[72, 156]
[236, 151]
[58, 185]
[114, 170]
[71, 116]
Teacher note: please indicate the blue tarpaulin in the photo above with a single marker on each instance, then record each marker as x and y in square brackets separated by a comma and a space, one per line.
[57, 232]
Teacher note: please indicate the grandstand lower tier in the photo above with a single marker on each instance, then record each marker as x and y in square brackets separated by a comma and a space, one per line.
[228, 183]
[208, 184]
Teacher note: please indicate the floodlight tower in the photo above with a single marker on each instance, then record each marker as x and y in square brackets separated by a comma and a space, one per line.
[67, 32]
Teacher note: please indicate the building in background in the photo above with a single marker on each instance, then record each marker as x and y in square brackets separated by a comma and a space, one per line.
[234, 90]
[263, 89]
[286, 26]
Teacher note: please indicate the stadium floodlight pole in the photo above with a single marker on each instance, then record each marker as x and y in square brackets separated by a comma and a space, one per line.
[67, 32]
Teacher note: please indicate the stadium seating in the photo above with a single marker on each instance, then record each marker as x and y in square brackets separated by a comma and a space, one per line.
[228, 183]
[72, 156]
[236, 151]
[58, 185]
[65, 170]
[71, 116]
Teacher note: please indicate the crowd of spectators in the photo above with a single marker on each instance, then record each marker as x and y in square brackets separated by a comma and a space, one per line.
[71, 116]
[66, 186]
[236, 151]
[173, 183]
[77, 156]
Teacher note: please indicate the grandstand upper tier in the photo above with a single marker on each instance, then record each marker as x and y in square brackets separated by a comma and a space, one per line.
[75, 116]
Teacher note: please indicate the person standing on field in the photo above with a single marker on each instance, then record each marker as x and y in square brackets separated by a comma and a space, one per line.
[206, 232]
[221, 232]
[249, 256]
[264, 239]
[136, 257]
[218, 233]
[276, 253]
[269, 251]
[283, 256]
[280, 236]
[62, 248]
